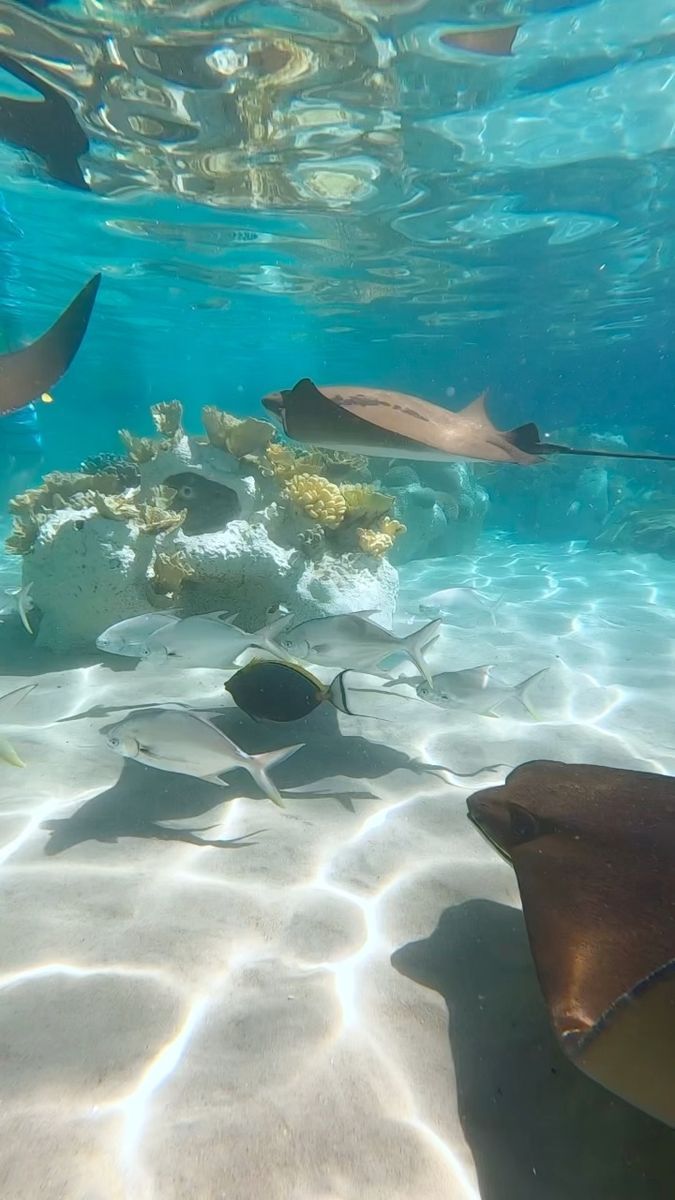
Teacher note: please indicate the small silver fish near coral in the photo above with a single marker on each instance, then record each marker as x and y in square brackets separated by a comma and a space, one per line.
[129, 637]
[459, 604]
[355, 642]
[210, 640]
[187, 743]
[22, 602]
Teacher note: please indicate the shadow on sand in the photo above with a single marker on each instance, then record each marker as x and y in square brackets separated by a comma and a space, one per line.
[537, 1127]
[143, 797]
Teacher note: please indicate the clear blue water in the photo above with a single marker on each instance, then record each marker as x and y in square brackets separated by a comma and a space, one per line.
[439, 197]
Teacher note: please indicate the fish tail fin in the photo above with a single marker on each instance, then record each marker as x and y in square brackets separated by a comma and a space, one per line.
[8, 754]
[520, 691]
[266, 636]
[416, 643]
[259, 765]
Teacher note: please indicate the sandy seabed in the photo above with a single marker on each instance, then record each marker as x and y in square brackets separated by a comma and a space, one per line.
[341, 1005]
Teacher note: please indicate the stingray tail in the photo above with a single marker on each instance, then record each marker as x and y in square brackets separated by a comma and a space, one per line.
[528, 439]
[258, 766]
[416, 643]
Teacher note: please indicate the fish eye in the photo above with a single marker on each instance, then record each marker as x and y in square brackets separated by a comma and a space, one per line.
[186, 492]
[524, 827]
[114, 742]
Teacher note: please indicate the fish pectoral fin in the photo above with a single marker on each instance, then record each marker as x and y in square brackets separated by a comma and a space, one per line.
[214, 779]
[8, 754]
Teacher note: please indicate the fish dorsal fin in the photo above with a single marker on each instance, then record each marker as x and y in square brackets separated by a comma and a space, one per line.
[477, 411]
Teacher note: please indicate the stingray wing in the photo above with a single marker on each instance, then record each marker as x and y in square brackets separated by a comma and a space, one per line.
[596, 918]
[631, 1050]
[25, 374]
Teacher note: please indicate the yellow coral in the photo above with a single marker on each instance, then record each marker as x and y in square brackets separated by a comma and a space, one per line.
[364, 503]
[372, 542]
[167, 417]
[391, 527]
[380, 540]
[249, 437]
[318, 498]
[169, 571]
[280, 460]
[239, 437]
[115, 508]
[156, 516]
[139, 449]
[24, 533]
[59, 489]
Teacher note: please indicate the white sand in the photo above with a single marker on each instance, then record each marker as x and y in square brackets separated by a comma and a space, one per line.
[182, 1021]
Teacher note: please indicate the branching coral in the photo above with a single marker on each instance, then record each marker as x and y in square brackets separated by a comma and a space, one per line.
[317, 498]
[167, 418]
[169, 571]
[238, 437]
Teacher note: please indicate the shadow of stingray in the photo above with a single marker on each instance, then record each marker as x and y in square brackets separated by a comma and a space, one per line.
[538, 1128]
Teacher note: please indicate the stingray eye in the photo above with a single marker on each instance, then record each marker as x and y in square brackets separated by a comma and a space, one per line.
[524, 827]
[186, 492]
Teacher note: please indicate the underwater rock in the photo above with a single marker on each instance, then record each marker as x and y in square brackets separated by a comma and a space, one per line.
[243, 569]
[204, 530]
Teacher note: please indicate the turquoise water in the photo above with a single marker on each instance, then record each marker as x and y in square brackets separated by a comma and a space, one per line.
[203, 994]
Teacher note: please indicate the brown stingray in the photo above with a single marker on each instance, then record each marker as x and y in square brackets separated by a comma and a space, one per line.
[594, 853]
[381, 423]
[25, 374]
[495, 41]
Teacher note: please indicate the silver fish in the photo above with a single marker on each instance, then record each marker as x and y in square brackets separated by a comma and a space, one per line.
[187, 743]
[353, 641]
[21, 602]
[459, 603]
[474, 689]
[210, 640]
[129, 637]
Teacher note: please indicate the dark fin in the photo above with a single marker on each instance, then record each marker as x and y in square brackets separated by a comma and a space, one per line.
[483, 41]
[26, 374]
[526, 438]
[47, 128]
[309, 416]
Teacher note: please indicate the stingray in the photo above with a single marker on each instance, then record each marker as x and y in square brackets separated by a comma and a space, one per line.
[381, 423]
[28, 373]
[593, 849]
[46, 127]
